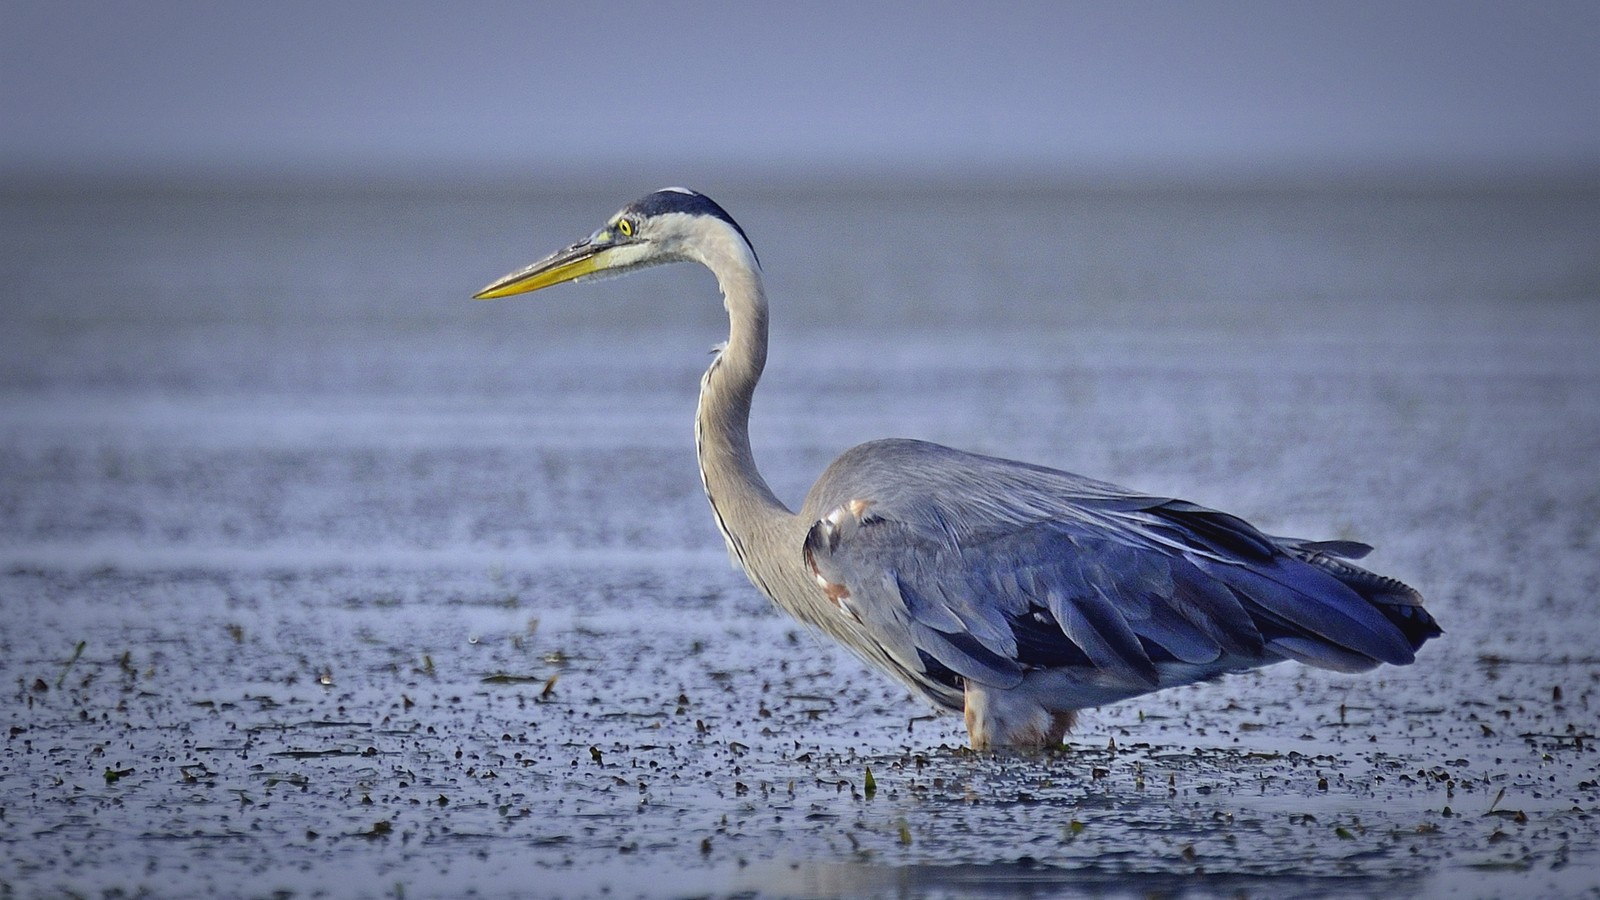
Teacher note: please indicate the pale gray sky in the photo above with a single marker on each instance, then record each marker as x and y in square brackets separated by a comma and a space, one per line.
[503, 87]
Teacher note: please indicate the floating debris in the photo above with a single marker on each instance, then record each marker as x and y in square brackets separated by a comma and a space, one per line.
[505, 678]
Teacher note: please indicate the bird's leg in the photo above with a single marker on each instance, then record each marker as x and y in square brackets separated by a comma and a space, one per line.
[1060, 724]
[1001, 718]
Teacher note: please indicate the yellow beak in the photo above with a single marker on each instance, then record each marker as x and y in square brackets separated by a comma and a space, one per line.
[564, 265]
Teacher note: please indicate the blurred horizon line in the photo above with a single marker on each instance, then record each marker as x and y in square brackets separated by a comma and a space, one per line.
[1245, 175]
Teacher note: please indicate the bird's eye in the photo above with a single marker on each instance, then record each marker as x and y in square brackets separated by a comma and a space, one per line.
[626, 227]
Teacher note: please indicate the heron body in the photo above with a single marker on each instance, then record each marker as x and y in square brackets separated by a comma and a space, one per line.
[1013, 593]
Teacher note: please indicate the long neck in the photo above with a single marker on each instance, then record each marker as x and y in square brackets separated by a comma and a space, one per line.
[745, 508]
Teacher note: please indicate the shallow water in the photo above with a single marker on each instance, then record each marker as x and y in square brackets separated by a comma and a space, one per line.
[319, 579]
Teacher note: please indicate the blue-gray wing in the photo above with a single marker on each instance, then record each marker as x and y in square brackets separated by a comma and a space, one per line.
[968, 567]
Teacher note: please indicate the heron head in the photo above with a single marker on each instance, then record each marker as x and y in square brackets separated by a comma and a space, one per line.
[671, 225]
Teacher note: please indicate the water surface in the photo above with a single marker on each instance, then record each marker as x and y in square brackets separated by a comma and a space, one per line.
[318, 578]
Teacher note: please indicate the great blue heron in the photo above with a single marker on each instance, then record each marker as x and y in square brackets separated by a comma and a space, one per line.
[1011, 592]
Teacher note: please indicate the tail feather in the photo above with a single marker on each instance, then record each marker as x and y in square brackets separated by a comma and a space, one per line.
[1396, 600]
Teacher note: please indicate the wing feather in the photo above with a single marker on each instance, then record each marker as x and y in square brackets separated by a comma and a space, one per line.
[1303, 597]
[986, 568]
[1093, 623]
